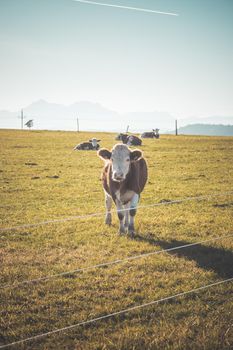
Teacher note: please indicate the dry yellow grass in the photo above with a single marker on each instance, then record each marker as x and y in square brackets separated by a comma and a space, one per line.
[42, 178]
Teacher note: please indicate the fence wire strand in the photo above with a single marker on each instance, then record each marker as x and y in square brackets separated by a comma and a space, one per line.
[107, 316]
[86, 216]
[104, 317]
[114, 262]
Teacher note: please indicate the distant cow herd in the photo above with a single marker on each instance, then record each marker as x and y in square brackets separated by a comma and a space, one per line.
[124, 176]
[130, 140]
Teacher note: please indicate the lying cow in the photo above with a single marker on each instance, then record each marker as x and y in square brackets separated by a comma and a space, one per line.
[130, 140]
[122, 137]
[89, 145]
[134, 141]
[124, 177]
[151, 135]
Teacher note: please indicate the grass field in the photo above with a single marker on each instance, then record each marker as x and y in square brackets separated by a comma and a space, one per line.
[43, 179]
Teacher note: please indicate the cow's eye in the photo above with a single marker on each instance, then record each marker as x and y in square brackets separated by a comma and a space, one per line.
[127, 160]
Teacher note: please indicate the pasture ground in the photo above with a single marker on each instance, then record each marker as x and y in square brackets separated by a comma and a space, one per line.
[41, 178]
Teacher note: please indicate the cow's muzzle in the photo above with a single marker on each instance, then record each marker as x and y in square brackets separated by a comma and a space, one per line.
[118, 177]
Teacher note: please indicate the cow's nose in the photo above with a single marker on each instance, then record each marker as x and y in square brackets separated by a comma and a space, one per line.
[118, 176]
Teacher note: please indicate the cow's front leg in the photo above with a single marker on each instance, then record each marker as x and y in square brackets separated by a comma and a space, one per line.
[121, 214]
[108, 203]
[127, 206]
[132, 213]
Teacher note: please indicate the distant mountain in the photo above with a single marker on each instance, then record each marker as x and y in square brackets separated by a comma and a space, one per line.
[207, 129]
[53, 116]
[94, 116]
[146, 121]
[46, 109]
[217, 120]
[97, 117]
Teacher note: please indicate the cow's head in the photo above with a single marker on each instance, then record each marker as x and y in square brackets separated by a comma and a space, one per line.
[120, 157]
[130, 140]
[118, 137]
[94, 142]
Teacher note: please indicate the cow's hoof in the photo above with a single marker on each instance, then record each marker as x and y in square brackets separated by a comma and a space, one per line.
[108, 220]
[122, 231]
[131, 231]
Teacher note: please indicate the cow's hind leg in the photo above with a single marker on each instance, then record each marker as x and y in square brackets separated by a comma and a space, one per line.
[132, 213]
[108, 203]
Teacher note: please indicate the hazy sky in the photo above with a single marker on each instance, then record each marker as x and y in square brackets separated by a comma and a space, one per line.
[64, 51]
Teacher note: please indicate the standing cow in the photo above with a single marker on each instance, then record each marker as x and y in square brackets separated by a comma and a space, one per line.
[124, 177]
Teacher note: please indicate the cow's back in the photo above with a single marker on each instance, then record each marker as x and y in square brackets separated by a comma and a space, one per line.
[134, 140]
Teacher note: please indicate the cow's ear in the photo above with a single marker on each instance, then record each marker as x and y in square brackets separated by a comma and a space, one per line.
[104, 153]
[135, 155]
[98, 140]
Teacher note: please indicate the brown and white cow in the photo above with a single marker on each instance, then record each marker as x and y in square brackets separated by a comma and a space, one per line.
[133, 140]
[130, 140]
[151, 135]
[124, 177]
[122, 137]
[88, 145]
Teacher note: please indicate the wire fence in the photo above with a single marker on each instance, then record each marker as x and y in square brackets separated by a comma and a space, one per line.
[117, 313]
[114, 262]
[127, 259]
[86, 216]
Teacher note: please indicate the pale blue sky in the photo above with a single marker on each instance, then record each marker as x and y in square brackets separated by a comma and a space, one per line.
[64, 51]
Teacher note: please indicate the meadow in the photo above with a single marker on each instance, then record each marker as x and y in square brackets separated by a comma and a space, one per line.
[42, 178]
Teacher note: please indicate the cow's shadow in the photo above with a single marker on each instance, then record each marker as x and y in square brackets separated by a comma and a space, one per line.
[208, 258]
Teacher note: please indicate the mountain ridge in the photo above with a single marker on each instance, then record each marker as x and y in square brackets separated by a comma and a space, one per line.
[95, 116]
[207, 130]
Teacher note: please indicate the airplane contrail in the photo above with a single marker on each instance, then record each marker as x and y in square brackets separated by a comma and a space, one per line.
[127, 7]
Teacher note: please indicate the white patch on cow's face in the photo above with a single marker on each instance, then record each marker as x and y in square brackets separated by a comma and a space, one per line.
[130, 140]
[120, 162]
[94, 142]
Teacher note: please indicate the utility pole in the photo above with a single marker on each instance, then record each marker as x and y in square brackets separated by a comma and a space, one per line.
[22, 117]
[127, 129]
[77, 125]
[176, 127]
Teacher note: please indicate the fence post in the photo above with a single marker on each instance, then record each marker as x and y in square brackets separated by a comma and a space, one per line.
[176, 127]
